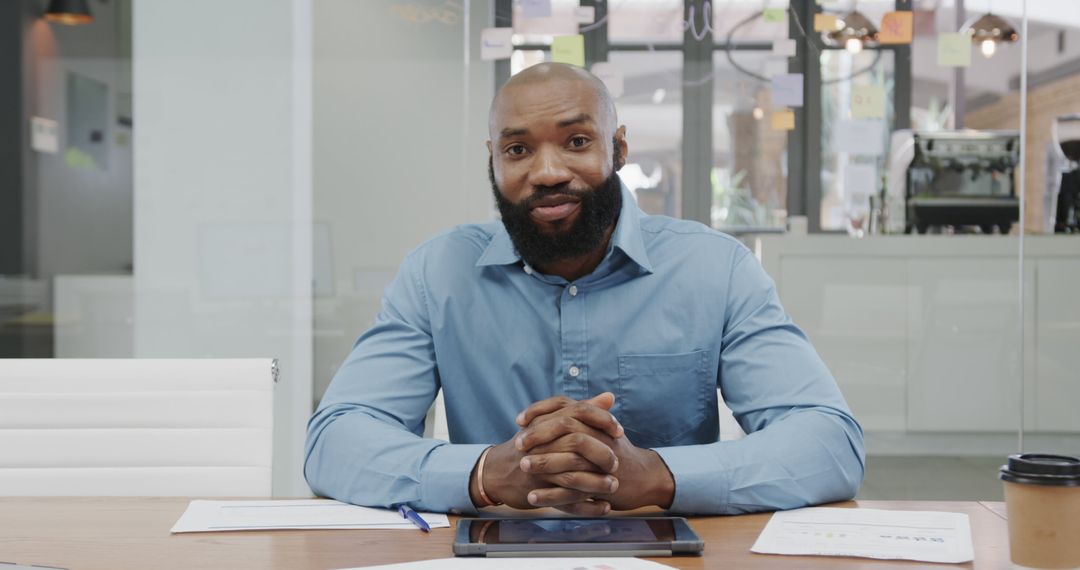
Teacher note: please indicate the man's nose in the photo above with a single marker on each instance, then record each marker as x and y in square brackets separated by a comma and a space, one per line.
[549, 169]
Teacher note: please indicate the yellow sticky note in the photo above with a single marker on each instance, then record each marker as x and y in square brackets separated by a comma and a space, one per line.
[867, 102]
[954, 50]
[774, 15]
[896, 28]
[824, 22]
[569, 49]
[783, 120]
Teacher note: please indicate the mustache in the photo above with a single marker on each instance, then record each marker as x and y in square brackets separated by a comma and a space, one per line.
[541, 192]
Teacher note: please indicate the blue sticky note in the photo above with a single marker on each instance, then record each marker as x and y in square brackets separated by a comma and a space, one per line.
[536, 8]
[787, 90]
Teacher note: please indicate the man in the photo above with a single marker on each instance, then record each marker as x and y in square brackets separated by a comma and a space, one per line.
[579, 345]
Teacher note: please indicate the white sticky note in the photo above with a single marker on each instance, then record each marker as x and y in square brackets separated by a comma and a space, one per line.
[585, 14]
[44, 135]
[860, 180]
[496, 43]
[787, 90]
[536, 8]
[954, 50]
[611, 75]
[774, 67]
[860, 137]
[785, 47]
[867, 102]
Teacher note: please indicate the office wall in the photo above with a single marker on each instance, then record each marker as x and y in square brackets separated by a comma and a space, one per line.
[400, 125]
[222, 194]
[79, 217]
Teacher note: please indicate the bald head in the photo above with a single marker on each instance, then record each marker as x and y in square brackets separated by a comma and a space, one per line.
[572, 80]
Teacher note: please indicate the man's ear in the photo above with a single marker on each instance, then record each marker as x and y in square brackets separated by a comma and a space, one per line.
[488, 143]
[620, 141]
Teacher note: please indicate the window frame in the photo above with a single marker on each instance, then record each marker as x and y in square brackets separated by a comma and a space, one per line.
[804, 141]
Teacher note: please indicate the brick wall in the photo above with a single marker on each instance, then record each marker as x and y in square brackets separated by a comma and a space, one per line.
[1044, 104]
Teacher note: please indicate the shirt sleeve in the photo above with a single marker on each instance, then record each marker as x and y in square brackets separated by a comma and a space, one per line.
[364, 443]
[803, 446]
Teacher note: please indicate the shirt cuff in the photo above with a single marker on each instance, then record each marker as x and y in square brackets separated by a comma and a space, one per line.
[701, 485]
[444, 483]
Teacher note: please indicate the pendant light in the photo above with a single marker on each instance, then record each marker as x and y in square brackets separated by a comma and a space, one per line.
[856, 32]
[70, 12]
[988, 31]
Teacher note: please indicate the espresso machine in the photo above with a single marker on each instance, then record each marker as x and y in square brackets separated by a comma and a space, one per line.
[960, 181]
[1067, 140]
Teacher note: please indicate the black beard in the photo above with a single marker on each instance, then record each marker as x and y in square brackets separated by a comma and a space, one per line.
[598, 210]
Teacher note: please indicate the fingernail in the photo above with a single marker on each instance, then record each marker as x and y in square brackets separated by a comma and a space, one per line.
[532, 498]
[619, 430]
[616, 466]
[521, 418]
[519, 443]
[525, 464]
[607, 508]
[612, 485]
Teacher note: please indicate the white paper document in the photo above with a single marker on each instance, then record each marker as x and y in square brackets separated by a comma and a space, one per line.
[215, 516]
[496, 43]
[469, 563]
[927, 536]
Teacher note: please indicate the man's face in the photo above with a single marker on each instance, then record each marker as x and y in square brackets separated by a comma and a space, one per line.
[553, 162]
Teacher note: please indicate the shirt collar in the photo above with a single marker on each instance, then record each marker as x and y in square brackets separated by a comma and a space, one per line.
[627, 238]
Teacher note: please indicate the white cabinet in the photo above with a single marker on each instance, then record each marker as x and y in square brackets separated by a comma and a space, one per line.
[922, 332]
[854, 311]
[1056, 390]
[963, 345]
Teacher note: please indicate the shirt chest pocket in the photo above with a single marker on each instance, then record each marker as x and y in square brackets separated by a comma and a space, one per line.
[662, 396]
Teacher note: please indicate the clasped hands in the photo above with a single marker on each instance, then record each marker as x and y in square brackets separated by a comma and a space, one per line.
[573, 456]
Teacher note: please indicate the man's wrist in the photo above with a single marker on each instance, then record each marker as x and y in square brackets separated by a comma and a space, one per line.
[662, 487]
[478, 491]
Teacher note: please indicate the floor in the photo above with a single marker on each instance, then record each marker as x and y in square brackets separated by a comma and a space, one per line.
[932, 478]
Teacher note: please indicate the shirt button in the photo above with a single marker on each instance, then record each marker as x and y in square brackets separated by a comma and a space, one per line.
[528, 270]
[573, 290]
[574, 371]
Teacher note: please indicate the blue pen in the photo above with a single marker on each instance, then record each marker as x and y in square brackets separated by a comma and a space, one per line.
[412, 515]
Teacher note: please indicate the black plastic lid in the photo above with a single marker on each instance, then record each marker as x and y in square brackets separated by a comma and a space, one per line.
[1042, 469]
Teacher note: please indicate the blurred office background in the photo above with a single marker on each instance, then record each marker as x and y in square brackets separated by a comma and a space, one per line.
[241, 179]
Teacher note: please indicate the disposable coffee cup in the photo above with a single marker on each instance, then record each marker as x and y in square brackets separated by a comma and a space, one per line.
[1042, 495]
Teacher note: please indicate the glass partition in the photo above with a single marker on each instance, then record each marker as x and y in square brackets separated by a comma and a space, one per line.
[153, 190]
[253, 193]
[906, 284]
[1051, 252]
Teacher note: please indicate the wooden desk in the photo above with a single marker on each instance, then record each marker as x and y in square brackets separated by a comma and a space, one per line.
[90, 533]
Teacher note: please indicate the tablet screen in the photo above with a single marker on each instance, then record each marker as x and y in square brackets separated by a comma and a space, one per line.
[532, 531]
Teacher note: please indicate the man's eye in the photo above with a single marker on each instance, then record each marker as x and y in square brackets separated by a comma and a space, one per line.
[579, 142]
[516, 150]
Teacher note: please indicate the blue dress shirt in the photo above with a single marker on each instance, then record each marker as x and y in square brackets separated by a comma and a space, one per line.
[674, 311]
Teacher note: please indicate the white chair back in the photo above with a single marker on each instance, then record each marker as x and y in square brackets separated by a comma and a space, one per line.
[136, 427]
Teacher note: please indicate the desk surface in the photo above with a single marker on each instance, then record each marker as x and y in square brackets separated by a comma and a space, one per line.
[93, 532]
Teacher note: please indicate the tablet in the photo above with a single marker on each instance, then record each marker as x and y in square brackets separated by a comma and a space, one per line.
[627, 536]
